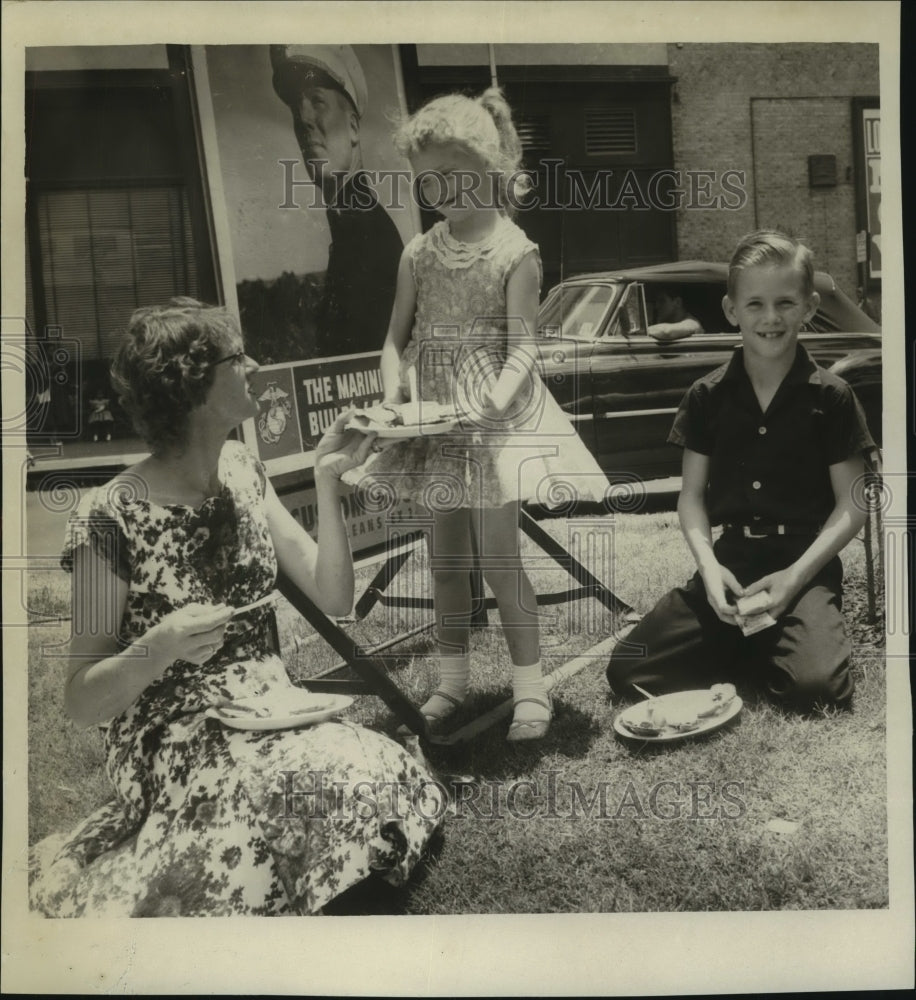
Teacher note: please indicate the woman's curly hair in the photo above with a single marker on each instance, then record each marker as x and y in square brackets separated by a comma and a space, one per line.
[164, 368]
[483, 125]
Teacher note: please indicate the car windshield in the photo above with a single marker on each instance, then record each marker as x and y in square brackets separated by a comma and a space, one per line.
[576, 311]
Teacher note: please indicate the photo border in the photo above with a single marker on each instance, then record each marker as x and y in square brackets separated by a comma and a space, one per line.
[585, 954]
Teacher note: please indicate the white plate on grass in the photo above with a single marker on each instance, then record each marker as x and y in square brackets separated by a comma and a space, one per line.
[679, 704]
[280, 710]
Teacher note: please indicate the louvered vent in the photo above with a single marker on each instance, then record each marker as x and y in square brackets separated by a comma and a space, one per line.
[610, 131]
[534, 133]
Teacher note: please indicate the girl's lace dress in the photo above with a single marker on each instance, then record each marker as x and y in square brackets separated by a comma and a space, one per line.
[459, 343]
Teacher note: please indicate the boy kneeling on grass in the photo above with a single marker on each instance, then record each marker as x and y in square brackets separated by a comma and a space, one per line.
[774, 452]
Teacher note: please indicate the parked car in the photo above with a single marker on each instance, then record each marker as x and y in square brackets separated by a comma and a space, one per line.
[621, 387]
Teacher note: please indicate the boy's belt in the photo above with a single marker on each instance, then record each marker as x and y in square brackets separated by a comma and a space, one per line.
[765, 530]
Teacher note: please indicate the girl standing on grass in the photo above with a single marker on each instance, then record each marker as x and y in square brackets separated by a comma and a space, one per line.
[464, 321]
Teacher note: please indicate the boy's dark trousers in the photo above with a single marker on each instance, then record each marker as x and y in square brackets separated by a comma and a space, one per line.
[681, 644]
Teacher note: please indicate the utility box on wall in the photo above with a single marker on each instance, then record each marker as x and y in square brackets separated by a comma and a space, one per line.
[822, 171]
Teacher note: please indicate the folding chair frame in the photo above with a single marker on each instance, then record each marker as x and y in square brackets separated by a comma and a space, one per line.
[371, 672]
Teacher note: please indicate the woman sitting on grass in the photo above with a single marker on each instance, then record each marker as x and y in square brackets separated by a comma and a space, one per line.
[208, 820]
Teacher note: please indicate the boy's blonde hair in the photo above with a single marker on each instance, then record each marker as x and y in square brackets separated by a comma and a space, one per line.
[482, 125]
[768, 247]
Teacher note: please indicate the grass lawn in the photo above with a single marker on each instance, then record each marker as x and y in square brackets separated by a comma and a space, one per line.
[775, 812]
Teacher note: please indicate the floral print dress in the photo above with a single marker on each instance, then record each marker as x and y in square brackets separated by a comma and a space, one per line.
[208, 820]
[458, 344]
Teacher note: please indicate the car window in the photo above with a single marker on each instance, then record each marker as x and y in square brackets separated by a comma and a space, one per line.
[628, 318]
[701, 300]
[576, 311]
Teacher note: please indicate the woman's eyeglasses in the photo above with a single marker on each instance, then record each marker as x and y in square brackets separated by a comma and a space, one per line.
[238, 358]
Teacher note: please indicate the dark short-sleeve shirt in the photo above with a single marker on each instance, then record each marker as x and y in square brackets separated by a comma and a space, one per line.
[771, 467]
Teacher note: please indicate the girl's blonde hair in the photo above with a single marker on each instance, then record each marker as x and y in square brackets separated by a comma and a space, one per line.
[483, 125]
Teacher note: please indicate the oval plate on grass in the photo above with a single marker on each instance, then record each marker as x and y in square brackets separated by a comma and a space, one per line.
[684, 702]
[275, 711]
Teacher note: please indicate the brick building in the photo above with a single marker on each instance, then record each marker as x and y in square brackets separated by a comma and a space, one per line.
[785, 118]
[765, 109]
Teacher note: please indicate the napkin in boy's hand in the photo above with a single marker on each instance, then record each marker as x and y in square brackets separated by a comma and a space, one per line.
[752, 613]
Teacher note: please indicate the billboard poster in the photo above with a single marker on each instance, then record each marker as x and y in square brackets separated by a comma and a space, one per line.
[312, 208]
[314, 194]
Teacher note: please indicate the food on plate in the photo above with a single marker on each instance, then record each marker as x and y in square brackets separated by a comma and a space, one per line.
[679, 712]
[651, 722]
[654, 715]
[642, 726]
[723, 692]
[236, 709]
[275, 706]
[683, 721]
[384, 415]
[411, 413]
[720, 696]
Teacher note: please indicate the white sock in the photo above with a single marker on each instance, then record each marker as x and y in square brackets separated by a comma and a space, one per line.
[528, 682]
[454, 680]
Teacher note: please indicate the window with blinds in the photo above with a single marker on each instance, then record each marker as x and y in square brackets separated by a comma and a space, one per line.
[106, 251]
